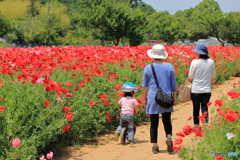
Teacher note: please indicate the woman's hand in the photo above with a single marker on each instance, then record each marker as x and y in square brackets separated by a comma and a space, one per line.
[174, 102]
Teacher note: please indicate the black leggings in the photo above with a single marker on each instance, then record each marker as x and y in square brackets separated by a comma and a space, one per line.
[166, 120]
[200, 100]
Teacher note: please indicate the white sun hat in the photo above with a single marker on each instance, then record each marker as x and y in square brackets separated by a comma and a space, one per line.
[157, 52]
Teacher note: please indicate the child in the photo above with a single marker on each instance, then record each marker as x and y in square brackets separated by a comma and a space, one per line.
[128, 108]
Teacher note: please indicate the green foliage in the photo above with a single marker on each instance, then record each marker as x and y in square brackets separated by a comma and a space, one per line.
[166, 27]
[208, 15]
[4, 26]
[113, 22]
[215, 139]
[32, 9]
[230, 28]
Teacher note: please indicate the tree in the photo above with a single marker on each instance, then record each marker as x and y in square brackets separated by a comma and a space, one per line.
[208, 16]
[4, 26]
[166, 27]
[230, 30]
[32, 9]
[146, 8]
[113, 22]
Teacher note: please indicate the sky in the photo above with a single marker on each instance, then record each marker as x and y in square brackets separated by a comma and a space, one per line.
[172, 6]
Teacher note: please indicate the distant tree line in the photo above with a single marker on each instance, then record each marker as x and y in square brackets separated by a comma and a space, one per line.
[106, 22]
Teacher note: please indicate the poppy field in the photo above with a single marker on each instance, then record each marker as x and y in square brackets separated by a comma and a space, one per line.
[52, 97]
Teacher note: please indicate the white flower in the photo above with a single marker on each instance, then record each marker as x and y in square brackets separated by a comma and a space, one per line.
[230, 135]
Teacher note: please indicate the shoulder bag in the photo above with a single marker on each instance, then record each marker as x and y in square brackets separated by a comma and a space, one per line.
[162, 99]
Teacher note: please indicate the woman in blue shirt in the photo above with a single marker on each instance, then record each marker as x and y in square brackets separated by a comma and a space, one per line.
[166, 79]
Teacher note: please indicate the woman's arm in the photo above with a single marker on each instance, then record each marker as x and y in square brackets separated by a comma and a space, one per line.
[175, 98]
[144, 94]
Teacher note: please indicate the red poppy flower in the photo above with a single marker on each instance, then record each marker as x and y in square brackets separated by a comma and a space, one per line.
[218, 102]
[69, 95]
[1, 99]
[176, 149]
[109, 119]
[209, 103]
[1, 83]
[46, 103]
[118, 87]
[67, 128]
[199, 134]
[66, 108]
[104, 96]
[2, 109]
[178, 141]
[107, 114]
[187, 130]
[75, 89]
[231, 117]
[91, 103]
[82, 83]
[68, 83]
[180, 134]
[74, 75]
[219, 158]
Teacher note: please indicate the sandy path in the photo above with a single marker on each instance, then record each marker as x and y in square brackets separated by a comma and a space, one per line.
[108, 149]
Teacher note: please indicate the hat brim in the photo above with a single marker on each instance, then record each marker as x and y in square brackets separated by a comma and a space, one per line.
[152, 55]
[198, 51]
[128, 89]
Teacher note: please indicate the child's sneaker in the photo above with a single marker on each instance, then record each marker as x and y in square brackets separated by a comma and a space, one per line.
[116, 136]
[131, 142]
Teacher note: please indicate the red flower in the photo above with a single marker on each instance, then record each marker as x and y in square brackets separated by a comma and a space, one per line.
[231, 117]
[209, 103]
[46, 103]
[189, 118]
[66, 108]
[176, 149]
[218, 102]
[187, 130]
[74, 75]
[107, 114]
[199, 134]
[219, 158]
[75, 89]
[231, 92]
[91, 103]
[178, 141]
[67, 128]
[109, 119]
[1, 83]
[69, 95]
[118, 87]
[68, 83]
[82, 83]
[117, 117]
[2, 109]
[180, 134]
[104, 96]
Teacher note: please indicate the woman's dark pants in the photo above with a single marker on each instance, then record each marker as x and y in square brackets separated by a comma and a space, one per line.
[200, 100]
[166, 120]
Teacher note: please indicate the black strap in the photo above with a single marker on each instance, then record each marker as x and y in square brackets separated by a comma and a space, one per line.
[154, 74]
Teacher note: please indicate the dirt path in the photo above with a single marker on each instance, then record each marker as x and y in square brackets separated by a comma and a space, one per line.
[108, 149]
